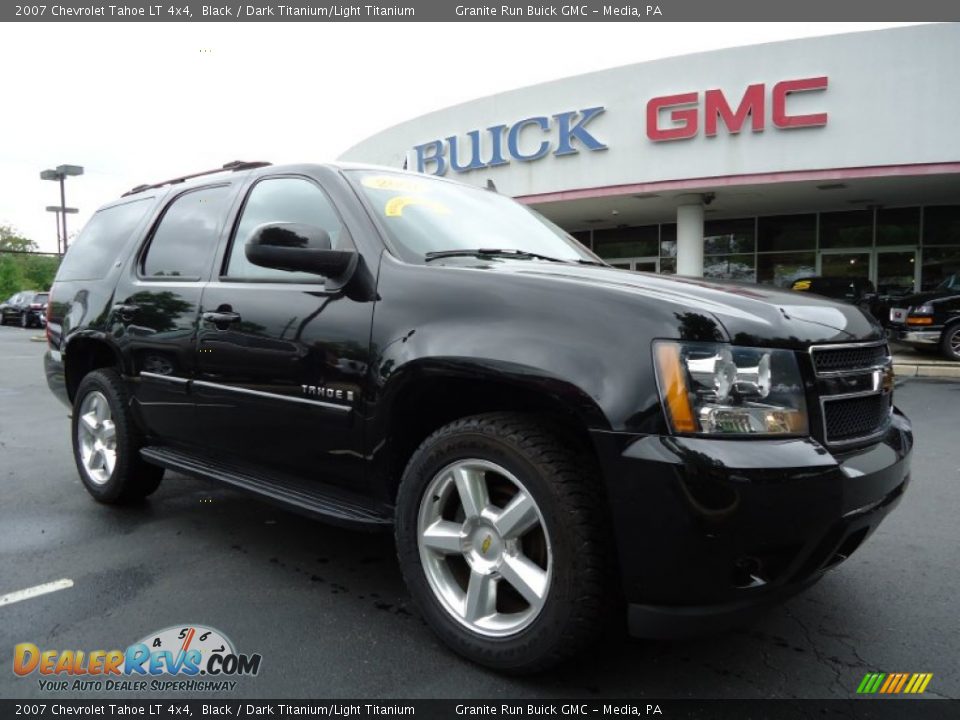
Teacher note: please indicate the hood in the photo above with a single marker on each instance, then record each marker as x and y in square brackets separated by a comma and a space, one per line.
[756, 315]
[908, 301]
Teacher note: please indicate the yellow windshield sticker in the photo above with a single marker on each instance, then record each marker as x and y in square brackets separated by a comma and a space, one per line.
[396, 184]
[801, 285]
[395, 206]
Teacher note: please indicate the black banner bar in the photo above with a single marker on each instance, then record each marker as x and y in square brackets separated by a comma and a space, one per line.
[873, 708]
[471, 10]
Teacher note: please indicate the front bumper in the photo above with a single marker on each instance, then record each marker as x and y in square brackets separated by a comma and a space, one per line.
[710, 530]
[921, 338]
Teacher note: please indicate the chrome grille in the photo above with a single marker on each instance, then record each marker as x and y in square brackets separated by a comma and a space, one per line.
[856, 417]
[854, 383]
[847, 359]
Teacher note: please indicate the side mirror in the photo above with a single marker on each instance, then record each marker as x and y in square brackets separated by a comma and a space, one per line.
[298, 248]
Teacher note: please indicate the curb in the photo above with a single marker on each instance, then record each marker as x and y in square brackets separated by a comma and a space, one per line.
[925, 370]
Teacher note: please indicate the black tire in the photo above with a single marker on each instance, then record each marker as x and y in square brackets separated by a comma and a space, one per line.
[131, 478]
[950, 342]
[24, 320]
[563, 485]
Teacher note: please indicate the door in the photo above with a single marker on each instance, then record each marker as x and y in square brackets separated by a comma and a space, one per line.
[897, 272]
[641, 264]
[846, 264]
[155, 309]
[281, 358]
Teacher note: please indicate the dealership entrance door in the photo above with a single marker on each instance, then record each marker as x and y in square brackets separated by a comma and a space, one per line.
[638, 264]
[892, 270]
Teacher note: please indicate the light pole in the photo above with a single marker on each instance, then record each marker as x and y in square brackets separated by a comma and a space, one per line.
[57, 209]
[61, 173]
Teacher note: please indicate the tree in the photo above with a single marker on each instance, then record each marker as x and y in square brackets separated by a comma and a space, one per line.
[11, 240]
[22, 267]
[11, 279]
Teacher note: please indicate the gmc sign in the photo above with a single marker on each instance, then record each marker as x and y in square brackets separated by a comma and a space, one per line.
[685, 110]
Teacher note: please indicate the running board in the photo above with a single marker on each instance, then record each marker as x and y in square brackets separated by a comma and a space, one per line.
[316, 500]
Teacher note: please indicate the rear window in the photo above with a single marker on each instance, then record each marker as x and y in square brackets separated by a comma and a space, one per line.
[99, 244]
[41, 297]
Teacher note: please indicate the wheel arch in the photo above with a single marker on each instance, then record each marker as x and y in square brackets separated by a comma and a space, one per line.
[84, 353]
[430, 395]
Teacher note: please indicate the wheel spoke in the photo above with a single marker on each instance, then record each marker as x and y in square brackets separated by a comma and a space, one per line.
[443, 537]
[519, 516]
[481, 598]
[108, 431]
[97, 406]
[472, 489]
[109, 460]
[95, 462]
[526, 577]
[89, 422]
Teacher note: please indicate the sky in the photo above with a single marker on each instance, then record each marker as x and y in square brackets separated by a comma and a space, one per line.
[139, 102]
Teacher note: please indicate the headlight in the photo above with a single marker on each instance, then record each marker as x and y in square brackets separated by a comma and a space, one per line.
[721, 389]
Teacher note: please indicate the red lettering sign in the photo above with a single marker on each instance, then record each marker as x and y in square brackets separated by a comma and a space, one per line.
[684, 111]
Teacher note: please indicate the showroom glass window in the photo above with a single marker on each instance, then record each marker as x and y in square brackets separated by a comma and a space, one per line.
[848, 229]
[898, 226]
[780, 233]
[286, 199]
[728, 249]
[941, 244]
[628, 242]
[183, 243]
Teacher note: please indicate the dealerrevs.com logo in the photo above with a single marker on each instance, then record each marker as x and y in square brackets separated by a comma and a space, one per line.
[179, 658]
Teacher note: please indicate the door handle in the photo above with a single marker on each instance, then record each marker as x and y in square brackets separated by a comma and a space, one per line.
[221, 318]
[126, 311]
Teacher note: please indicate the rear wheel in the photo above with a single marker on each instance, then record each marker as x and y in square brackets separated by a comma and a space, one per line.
[502, 543]
[950, 342]
[106, 443]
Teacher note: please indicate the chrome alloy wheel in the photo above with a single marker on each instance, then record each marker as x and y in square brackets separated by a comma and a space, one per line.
[955, 343]
[484, 547]
[97, 438]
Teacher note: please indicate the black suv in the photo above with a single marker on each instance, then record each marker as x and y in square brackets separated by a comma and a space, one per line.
[546, 436]
[854, 290]
[929, 320]
[26, 308]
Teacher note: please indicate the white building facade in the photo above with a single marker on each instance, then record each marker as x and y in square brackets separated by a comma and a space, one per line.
[836, 156]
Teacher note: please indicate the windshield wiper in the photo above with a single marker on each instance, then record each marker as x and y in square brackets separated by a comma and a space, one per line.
[503, 252]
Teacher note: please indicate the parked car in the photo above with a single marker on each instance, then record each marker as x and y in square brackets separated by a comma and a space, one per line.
[929, 319]
[27, 308]
[555, 444]
[856, 291]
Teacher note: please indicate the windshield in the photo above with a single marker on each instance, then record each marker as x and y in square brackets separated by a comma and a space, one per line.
[424, 215]
[950, 282]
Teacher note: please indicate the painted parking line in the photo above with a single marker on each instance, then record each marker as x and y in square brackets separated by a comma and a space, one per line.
[35, 591]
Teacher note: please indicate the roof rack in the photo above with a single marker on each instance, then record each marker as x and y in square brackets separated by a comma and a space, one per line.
[234, 166]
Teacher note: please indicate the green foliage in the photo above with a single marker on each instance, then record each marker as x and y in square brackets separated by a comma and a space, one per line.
[20, 267]
[11, 240]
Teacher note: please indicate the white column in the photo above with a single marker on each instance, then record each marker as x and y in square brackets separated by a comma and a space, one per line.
[690, 236]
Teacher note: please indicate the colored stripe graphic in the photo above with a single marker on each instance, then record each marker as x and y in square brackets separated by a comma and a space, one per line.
[894, 683]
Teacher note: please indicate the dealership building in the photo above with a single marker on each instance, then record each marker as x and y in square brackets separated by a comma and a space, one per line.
[834, 156]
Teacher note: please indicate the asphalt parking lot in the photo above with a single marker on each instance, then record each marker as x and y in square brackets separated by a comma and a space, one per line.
[327, 610]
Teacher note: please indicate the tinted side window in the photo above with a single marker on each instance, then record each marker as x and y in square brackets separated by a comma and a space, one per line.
[100, 242]
[293, 200]
[182, 246]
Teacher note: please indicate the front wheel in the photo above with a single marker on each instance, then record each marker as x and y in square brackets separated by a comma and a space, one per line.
[950, 342]
[24, 320]
[501, 540]
[106, 442]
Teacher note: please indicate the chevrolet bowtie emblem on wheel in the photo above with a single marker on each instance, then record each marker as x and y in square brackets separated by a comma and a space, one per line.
[485, 545]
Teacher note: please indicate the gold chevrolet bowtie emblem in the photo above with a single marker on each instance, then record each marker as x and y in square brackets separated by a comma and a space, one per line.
[485, 545]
